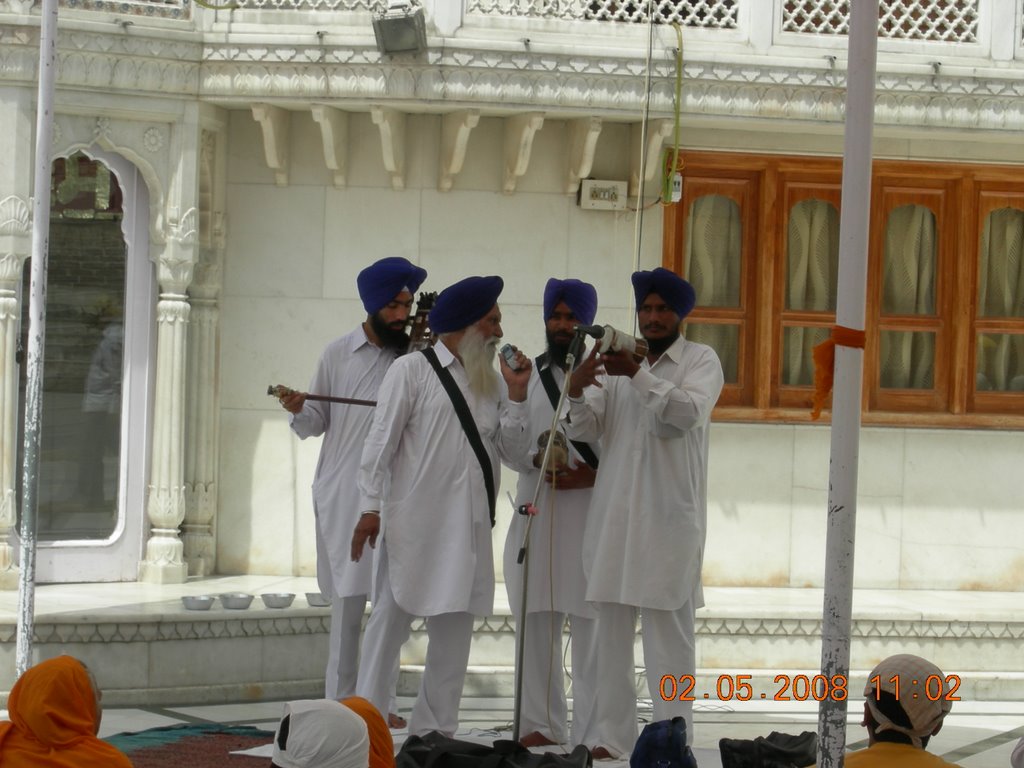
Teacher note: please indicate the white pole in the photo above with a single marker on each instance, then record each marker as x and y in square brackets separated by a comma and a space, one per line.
[36, 333]
[849, 368]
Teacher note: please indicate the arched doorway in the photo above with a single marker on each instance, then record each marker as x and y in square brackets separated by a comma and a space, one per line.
[93, 458]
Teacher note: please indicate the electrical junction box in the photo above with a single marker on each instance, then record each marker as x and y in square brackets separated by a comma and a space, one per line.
[603, 195]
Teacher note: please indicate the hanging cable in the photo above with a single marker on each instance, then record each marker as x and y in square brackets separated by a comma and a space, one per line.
[638, 232]
[672, 158]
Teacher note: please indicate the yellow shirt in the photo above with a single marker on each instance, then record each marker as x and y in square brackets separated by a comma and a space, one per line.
[883, 754]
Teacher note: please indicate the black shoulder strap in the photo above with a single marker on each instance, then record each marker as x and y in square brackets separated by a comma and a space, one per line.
[468, 425]
[548, 380]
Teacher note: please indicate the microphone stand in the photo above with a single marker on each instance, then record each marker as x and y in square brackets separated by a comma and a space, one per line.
[524, 552]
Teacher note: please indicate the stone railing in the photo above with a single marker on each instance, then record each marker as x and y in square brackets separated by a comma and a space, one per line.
[165, 9]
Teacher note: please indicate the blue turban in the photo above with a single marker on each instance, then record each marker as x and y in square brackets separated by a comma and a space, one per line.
[380, 282]
[676, 292]
[460, 305]
[580, 297]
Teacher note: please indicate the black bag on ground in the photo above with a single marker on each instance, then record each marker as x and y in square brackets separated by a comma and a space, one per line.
[435, 750]
[776, 750]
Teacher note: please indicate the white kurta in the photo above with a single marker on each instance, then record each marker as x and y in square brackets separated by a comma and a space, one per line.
[648, 518]
[419, 470]
[556, 575]
[350, 367]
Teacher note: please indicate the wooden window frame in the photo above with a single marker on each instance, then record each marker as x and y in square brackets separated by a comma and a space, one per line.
[960, 196]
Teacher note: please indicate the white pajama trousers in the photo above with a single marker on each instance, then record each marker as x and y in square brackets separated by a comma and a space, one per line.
[448, 639]
[343, 652]
[543, 707]
[669, 649]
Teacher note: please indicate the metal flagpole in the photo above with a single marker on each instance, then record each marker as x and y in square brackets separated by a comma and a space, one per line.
[849, 367]
[36, 333]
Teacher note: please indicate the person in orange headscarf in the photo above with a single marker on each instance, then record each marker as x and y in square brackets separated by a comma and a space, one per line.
[382, 747]
[55, 716]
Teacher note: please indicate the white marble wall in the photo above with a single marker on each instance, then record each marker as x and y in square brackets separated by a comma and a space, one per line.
[938, 509]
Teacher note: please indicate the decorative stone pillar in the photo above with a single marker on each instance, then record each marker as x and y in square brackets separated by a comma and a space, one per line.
[15, 244]
[202, 425]
[165, 503]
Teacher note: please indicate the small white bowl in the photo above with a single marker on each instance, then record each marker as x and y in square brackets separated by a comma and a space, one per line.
[197, 602]
[317, 600]
[238, 601]
[278, 599]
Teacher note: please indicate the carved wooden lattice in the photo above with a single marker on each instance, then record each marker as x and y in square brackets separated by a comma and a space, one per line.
[717, 14]
[940, 20]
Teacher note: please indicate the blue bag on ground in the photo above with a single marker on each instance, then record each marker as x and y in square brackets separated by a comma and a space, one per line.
[663, 745]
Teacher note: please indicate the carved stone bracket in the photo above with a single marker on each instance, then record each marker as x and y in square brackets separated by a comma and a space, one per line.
[455, 130]
[275, 122]
[583, 135]
[334, 132]
[392, 142]
[657, 132]
[519, 133]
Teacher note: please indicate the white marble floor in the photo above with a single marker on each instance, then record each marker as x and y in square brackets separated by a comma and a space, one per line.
[978, 734]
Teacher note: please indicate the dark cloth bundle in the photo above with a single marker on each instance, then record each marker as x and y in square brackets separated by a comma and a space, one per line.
[435, 750]
[776, 750]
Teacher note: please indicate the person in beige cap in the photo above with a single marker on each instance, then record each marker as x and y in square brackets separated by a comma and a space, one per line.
[320, 733]
[906, 700]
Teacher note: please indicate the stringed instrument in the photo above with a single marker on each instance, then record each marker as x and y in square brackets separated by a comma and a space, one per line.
[420, 337]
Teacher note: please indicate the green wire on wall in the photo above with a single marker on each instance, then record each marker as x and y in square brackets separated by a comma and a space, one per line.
[672, 154]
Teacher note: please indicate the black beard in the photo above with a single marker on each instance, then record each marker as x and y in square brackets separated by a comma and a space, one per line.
[658, 346]
[557, 352]
[389, 337]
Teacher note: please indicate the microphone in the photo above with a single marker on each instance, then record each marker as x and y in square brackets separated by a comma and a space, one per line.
[595, 331]
[617, 341]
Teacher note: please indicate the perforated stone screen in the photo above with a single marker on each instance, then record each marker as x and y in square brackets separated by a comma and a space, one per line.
[940, 20]
[720, 14]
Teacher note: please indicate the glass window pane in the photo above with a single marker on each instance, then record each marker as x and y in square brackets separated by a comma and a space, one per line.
[910, 257]
[908, 360]
[812, 256]
[79, 458]
[724, 339]
[714, 237]
[1000, 362]
[1001, 273]
[797, 362]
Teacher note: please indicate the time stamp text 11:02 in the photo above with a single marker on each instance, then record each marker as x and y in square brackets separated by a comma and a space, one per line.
[805, 687]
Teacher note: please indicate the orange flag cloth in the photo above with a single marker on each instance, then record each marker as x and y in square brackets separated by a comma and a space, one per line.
[824, 355]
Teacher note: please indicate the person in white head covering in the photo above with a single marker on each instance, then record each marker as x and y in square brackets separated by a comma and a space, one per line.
[320, 734]
[906, 700]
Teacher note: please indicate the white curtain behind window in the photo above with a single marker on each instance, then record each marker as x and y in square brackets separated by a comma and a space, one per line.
[713, 258]
[908, 288]
[812, 259]
[1001, 294]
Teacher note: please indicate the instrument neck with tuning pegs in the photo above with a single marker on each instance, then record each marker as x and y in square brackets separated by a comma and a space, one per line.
[420, 337]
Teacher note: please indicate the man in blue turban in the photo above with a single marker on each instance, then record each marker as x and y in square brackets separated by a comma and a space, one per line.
[647, 521]
[428, 483]
[556, 586]
[352, 366]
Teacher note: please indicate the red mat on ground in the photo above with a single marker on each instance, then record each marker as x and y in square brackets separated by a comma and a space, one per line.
[193, 747]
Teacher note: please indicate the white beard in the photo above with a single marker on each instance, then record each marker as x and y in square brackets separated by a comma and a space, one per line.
[477, 355]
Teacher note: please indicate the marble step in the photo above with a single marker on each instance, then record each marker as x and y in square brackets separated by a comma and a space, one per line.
[147, 649]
